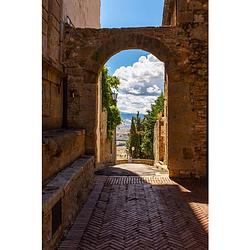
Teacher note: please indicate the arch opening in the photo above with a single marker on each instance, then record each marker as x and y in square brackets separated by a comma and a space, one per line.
[128, 40]
[142, 82]
[86, 53]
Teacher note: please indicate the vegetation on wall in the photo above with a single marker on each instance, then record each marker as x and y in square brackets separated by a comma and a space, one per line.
[141, 134]
[149, 123]
[110, 83]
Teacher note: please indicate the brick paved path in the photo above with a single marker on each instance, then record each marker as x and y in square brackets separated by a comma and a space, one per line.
[139, 212]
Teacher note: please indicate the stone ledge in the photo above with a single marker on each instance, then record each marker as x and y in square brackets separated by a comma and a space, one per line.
[137, 161]
[72, 186]
[55, 189]
[73, 237]
[60, 148]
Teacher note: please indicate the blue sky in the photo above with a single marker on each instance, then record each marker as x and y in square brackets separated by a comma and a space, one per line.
[141, 74]
[124, 58]
[129, 13]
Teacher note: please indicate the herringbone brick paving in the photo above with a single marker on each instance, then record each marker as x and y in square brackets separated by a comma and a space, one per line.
[139, 212]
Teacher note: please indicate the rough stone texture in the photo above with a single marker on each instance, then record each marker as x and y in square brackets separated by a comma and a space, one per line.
[183, 49]
[159, 137]
[105, 150]
[72, 186]
[86, 50]
[83, 14]
[107, 147]
[54, 12]
[192, 21]
[60, 148]
[52, 69]
[99, 127]
[169, 13]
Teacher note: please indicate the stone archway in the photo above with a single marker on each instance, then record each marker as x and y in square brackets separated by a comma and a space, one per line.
[85, 53]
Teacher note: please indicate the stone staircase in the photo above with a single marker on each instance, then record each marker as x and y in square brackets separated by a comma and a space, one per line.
[67, 180]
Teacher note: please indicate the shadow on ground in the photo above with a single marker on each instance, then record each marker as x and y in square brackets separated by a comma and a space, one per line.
[130, 169]
[138, 208]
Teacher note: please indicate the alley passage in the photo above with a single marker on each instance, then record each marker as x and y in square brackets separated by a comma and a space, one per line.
[134, 206]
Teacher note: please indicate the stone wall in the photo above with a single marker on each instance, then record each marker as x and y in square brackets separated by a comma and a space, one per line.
[60, 148]
[83, 14]
[85, 52]
[169, 13]
[52, 69]
[67, 173]
[54, 13]
[159, 140]
[99, 117]
[192, 21]
[107, 149]
[182, 48]
[62, 198]
[177, 12]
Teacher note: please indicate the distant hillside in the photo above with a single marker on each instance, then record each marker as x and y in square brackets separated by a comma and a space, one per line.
[128, 116]
[123, 129]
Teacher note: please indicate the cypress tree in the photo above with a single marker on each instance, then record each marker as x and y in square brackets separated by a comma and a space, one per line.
[141, 134]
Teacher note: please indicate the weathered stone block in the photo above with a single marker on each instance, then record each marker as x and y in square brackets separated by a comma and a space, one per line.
[60, 148]
[182, 5]
[54, 44]
[199, 33]
[46, 98]
[185, 17]
[71, 186]
[195, 5]
[199, 18]
[55, 9]
[187, 153]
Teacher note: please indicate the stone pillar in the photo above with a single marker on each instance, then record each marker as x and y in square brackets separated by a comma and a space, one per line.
[166, 117]
[156, 142]
[180, 122]
[82, 106]
[98, 129]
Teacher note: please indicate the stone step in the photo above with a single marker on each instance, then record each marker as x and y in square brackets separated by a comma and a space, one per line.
[62, 197]
[60, 148]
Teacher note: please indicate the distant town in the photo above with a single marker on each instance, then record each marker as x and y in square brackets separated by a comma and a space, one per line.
[122, 132]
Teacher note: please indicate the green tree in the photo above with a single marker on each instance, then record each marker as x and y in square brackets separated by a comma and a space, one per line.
[148, 124]
[132, 138]
[113, 113]
[135, 137]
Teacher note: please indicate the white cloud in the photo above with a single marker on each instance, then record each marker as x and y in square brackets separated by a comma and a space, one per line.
[130, 103]
[154, 89]
[144, 77]
[140, 84]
